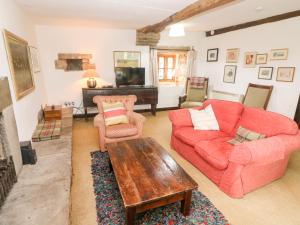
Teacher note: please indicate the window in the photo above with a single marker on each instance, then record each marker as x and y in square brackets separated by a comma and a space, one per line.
[166, 67]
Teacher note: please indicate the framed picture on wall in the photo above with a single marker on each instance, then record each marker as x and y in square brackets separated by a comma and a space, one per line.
[212, 55]
[127, 59]
[19, 63]
[232, 55]
[279, 54]
[261, 59]
[265, 73]
[250, 59]
[229, 74]
[285, 74]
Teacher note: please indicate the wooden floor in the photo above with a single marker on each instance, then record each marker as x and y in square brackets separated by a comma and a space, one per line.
[275, 204]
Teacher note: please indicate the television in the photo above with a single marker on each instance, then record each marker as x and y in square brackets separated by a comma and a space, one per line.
[129, 76]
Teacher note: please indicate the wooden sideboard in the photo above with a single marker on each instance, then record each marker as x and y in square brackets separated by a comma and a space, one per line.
[145, 95]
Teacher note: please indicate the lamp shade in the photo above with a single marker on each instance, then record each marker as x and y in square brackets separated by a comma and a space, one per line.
[90, 73]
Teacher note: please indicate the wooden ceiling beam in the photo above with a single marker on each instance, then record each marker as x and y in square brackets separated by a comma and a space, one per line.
[253, 23]
[197, 7]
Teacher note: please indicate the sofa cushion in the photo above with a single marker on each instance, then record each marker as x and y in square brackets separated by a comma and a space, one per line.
[204, 119]
[121, 130]
[215, 152]
[268, 123]
[191, 137]
[227, 113]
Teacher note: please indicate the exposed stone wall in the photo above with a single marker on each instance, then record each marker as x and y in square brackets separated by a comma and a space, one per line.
[64, 60]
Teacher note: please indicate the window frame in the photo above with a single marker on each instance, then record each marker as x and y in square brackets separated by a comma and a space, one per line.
[166, 56]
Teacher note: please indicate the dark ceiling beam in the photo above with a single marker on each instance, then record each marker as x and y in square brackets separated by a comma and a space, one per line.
[196, 8]
[150, 35]
[253, 23]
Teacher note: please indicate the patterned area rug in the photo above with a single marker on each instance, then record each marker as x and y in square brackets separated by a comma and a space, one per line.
[110, 209]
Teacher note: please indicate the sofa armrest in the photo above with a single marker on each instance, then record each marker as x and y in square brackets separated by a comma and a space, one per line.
[138, 120]
[264, 151]
[99, 122]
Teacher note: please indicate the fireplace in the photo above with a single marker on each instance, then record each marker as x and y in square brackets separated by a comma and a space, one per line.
[10, 155]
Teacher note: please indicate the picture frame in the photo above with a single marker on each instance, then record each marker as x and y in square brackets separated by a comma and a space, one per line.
[265, 73]
[279, 54]
[250, 59]
[229, 74]
[35, 62]
[232, 55]
[261, 59]
[19, 64]
[285, 74]
[212, 55]
[127, 59]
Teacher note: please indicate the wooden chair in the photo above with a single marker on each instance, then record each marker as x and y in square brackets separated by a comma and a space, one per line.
[193, 96]
[258, 96]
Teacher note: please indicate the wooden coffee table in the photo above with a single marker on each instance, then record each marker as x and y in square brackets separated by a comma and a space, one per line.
[148, 177]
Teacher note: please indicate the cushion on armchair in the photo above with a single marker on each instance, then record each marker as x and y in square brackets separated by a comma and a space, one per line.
[121, 130]
[114, 113]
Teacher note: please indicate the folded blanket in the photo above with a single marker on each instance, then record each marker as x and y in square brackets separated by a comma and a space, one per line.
[197, 82]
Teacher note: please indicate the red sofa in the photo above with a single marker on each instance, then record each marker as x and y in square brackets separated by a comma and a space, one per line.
[236, 169]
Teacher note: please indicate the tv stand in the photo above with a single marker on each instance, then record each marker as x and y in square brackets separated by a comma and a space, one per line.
[146, 95]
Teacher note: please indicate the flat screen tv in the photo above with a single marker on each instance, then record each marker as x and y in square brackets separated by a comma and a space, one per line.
[129, 76]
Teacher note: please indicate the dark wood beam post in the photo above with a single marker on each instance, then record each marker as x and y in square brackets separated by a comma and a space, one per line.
[253, 23]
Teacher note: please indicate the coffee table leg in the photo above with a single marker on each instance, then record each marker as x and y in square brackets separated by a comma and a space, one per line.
[110, 166]
[186, 203]
[130, 215]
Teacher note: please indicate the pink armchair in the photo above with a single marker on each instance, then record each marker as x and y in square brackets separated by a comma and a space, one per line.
[119, 132]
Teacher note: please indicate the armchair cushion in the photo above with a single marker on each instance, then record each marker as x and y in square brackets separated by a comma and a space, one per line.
[121, 130]
[114, 113]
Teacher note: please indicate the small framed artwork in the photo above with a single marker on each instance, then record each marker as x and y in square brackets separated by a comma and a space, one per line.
[265, 73]
[127, 59]
[249, 59]
[229, 74]
[285, 74]
[35, 63]
[261, 59]
[232, 55]
[212, 55]
[279, 54]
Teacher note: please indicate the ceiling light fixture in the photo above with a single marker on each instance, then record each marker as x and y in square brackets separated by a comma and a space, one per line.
[177, 30]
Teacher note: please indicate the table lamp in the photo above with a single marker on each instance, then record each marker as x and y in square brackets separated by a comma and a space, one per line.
[91, 74]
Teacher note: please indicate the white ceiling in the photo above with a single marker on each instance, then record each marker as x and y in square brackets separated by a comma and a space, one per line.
[117, 13]
[134, 14]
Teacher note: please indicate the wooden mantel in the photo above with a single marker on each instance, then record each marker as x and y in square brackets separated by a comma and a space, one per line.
[150, 35]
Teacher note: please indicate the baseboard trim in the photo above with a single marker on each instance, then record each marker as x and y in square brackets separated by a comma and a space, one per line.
[138, 111]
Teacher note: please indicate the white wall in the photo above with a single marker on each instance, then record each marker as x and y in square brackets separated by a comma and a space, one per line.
[66, 86]
[283, 34]
[15, 20]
